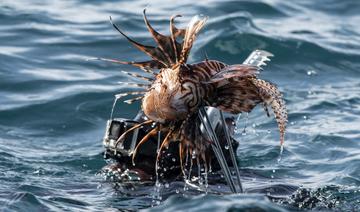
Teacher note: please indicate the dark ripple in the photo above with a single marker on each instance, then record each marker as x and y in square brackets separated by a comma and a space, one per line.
[229, 203]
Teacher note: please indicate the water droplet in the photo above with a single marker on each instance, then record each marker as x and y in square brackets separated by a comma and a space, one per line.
[273, 170]
[310, 92]
[226, 147]
[173, 159]
[292, 123]
[305, 117]
[177, 191]
[311, 72]
[193, 155]
[268, 131]
[166, 185]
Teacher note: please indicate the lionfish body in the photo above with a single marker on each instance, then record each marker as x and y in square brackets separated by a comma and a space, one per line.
[178, 90]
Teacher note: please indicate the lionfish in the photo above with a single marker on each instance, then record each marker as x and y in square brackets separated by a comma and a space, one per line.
[173, 96]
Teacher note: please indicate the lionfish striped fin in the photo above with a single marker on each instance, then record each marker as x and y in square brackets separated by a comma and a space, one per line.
[266, 109]
[120, 95]
[153, 132]
[272, 96]
[165, 43]
[236, 96]
[131, 129]
[138, 76]
[165, 144]
[130, 101]
[234, 71]
[193, 28]
[175, 32]
[133, 84]
[154, 52]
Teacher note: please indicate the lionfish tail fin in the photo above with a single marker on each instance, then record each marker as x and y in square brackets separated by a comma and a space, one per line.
[195, 25]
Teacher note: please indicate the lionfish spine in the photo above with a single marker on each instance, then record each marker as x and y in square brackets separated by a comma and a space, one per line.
[130, 101]
[138, 85]
[138, 76]
[120, 95]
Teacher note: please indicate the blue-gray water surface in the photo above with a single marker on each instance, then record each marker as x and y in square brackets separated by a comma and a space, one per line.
[54, 104]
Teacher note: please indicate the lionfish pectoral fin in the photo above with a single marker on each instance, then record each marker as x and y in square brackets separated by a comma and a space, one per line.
[266, 109]
[271, 95]
[243, 95]
[234, 71]
[236, 96]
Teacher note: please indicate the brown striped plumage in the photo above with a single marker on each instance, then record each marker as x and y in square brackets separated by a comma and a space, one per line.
[173, 98]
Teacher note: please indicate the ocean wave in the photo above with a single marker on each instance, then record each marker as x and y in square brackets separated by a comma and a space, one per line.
[54, 103]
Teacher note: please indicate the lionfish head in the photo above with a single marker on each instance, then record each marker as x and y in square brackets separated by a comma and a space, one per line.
[163, 101]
